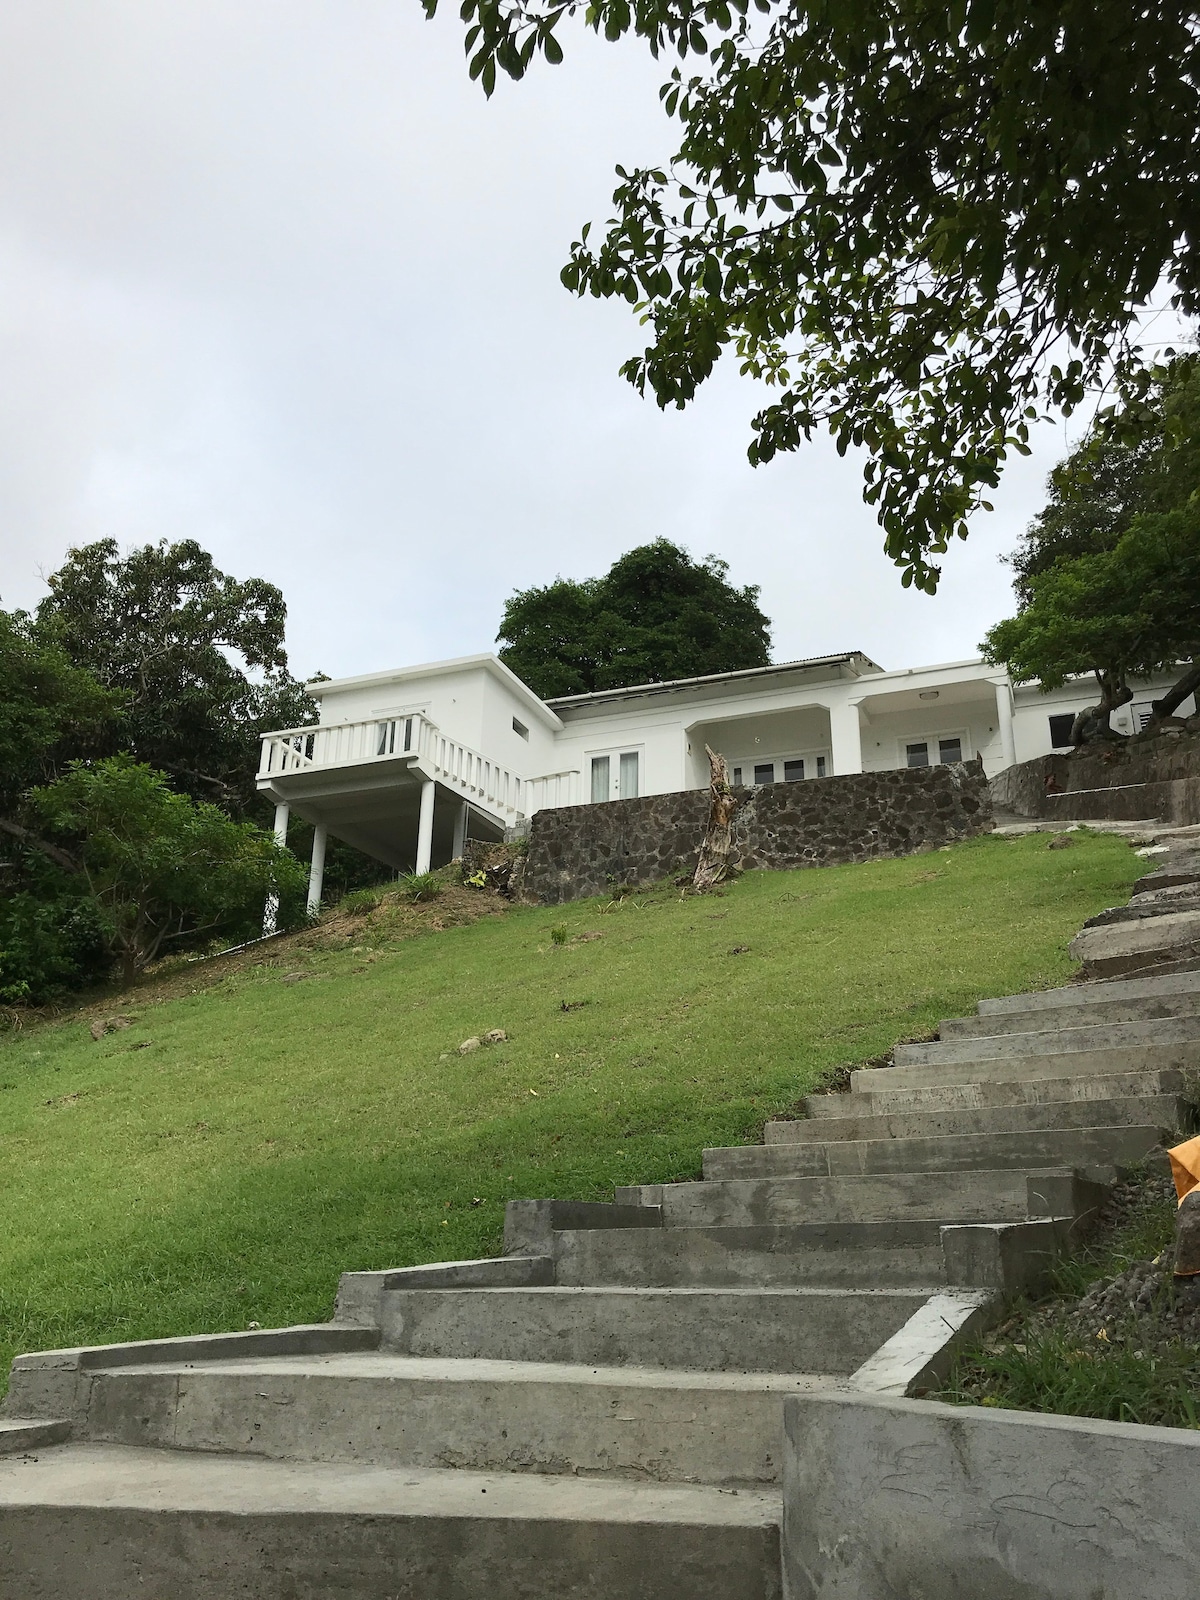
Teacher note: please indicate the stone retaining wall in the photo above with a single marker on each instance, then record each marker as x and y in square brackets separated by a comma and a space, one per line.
[584, 850]
[1126, 781]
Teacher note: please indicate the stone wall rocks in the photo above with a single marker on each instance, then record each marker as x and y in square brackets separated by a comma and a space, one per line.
[595, 849]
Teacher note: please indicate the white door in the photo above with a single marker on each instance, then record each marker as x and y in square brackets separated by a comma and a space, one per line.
[615, 775]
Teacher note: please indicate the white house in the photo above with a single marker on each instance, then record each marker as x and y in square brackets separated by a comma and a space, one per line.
[401, 764]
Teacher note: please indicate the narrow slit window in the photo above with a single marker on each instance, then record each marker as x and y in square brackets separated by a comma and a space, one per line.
[519, 727]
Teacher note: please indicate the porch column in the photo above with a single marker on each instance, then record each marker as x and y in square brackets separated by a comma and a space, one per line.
[1004, 714]
[271, 909]
[845, 737]
[425, 827]
[460, 831]
[316, 875]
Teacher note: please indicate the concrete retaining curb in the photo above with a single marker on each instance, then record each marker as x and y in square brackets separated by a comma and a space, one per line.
[885, 1498]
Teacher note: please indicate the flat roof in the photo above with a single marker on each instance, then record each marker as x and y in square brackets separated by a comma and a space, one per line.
[672, 685]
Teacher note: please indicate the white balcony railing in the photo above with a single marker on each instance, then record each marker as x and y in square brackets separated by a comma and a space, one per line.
[485, 783]
[551, 791]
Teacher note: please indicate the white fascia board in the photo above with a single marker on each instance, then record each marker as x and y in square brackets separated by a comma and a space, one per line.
[486, 661]
[974, 669]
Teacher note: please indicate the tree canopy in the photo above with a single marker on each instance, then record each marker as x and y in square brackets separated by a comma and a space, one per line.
[1108, 574]
[163, 870]
[655, 615]
[194, 657]
[922, 224]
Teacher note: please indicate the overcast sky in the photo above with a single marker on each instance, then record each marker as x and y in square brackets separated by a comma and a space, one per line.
[275, 276]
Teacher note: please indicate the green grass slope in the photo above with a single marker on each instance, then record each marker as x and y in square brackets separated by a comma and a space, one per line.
[221, 1161]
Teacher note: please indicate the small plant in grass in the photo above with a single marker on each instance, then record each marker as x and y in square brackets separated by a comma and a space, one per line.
[359, 902]
[420, 886]
[558, 934]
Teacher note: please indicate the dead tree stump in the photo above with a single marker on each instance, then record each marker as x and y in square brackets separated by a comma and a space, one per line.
[713, 864]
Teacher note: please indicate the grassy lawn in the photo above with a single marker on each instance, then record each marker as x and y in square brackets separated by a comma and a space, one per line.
[220, 1161]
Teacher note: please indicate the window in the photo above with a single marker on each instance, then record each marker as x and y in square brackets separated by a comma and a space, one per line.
[519, 727]
[793, 771]
[949, 750]
[918, 755]
[600, 778]
[820, 766]
[616, 776]
[765, 774]
[1060, 730]
[629, 775]
[737, 775]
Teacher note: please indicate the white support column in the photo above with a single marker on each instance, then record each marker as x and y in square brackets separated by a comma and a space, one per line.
[271, 909]
[845, 737]
[316, 875]
[425, 827]
[1004, 714]
[460, 830]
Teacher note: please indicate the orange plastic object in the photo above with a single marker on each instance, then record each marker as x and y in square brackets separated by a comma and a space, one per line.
[1185, 1167]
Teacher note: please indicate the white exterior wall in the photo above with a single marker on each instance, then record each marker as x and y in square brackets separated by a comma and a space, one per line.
[843, 714]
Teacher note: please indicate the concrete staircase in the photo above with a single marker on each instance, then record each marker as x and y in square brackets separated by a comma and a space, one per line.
[597, 1414]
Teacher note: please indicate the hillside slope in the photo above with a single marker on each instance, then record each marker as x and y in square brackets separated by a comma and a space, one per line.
[220, 1161]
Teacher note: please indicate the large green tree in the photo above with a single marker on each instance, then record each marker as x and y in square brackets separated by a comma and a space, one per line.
[1108, 574]
[196, 658]
[922, 223]
[655, 615]
[162, 870]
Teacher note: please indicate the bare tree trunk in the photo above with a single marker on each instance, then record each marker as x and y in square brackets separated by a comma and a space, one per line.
[1178, 693]
[718, 840]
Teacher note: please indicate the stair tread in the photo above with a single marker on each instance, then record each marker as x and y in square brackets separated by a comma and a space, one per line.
[382, 1365]
[151, 1479]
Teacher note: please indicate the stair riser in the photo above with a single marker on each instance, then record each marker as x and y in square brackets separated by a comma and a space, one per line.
[717, 1436]
[948, 1197]
[996, 1024]
[769, 1258]
[114, 1552]
[1159, 1111]
[1084, 1063]
[948, 1096]
[1083, 994]
[1054, 1042]
[825, 1331]
[1083, 1147]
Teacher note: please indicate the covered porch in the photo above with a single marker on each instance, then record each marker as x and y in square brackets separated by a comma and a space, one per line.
[782, 746]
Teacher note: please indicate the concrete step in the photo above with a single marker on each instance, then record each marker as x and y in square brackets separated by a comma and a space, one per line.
[1147, 1009]
[846, 1255]
[105, 1522]
[1181, 1057]
[477, 1415]
[874, 1094]
[1108, 1036]
[705, 1330]
[1083, 994]
[19, 1435]
[1160, 1111]
[963, 1152]
[1123, 948]
[992, 1196]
